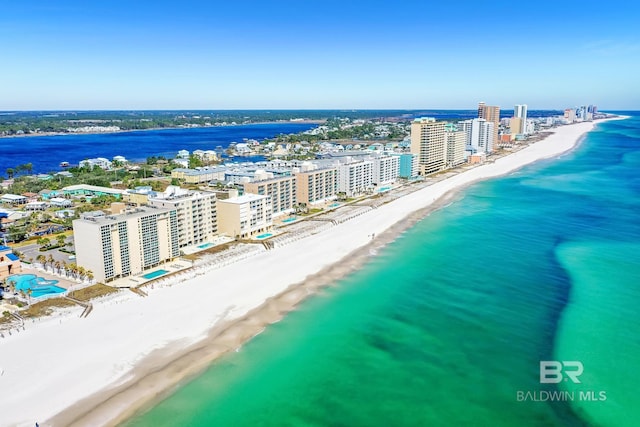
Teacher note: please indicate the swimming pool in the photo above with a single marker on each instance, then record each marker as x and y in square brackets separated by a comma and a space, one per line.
[39, 285]
[291, 219]
[264, 236]
[154, 274]
[333, 205]
[205, 246]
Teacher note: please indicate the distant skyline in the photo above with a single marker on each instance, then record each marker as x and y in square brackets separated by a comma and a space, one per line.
[76, 55]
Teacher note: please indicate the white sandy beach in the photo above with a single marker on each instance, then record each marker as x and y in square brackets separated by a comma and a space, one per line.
[56, 362]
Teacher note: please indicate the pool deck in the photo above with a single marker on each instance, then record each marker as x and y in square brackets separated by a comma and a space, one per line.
[137, 280]
[220, 240]
[63, 282]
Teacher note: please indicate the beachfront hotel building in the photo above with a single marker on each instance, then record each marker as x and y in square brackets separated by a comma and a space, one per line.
[282, 191]
[355, 178]
[520, 112]
[491, 114]
[427, 141]
[570, 115]
[456, 141]
[385, 169]
[315, 185]
[478, 134]
[245, 216]
[196, 213]
[515, 127]
[113, 246]
[408, 165]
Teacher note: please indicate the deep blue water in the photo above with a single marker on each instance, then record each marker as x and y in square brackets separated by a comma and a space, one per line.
[446, 324]
[46, 152]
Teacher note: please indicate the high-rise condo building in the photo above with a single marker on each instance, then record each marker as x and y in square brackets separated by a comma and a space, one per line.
[515, 127]
[245, 216]
[281, 189]
[408, 167]
[478, 135]
[490, 114]
[315, 185]
[456, 142]
[197, 215]
[385, 169]
[114, 246]
[570, 115]
[355, 178]
[520, 111]
[427, 141]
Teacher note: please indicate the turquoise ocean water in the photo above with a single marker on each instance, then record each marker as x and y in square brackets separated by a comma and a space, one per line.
[447, 324]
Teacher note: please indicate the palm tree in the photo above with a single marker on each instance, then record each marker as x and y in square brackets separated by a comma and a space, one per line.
[61, 238]
[72, 268]
[57, 266]
[90, 276]
[12, 286]
[82, 272]
[29, 292]
[42, 260]
[51, 260]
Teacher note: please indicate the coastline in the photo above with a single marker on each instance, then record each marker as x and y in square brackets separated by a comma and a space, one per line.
[313, 262]
[27, 135]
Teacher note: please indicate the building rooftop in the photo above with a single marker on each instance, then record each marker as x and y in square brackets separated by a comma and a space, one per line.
[126, 214]
[12, 197]
[92, 188]
[245, 198]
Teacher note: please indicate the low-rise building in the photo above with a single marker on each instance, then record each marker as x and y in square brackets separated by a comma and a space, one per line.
[13, 199]
[9, 263]
[59, 202]
[138, 196]
[198, 176]
[91, 190]
[100, 162]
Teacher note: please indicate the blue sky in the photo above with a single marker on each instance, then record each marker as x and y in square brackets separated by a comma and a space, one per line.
[309, 54]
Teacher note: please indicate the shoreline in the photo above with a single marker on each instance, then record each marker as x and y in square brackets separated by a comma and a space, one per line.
[280, 122]
[230, 326]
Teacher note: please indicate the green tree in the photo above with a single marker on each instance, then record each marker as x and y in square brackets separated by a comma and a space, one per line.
[195, 162]
[10, 172]
[43, 242]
